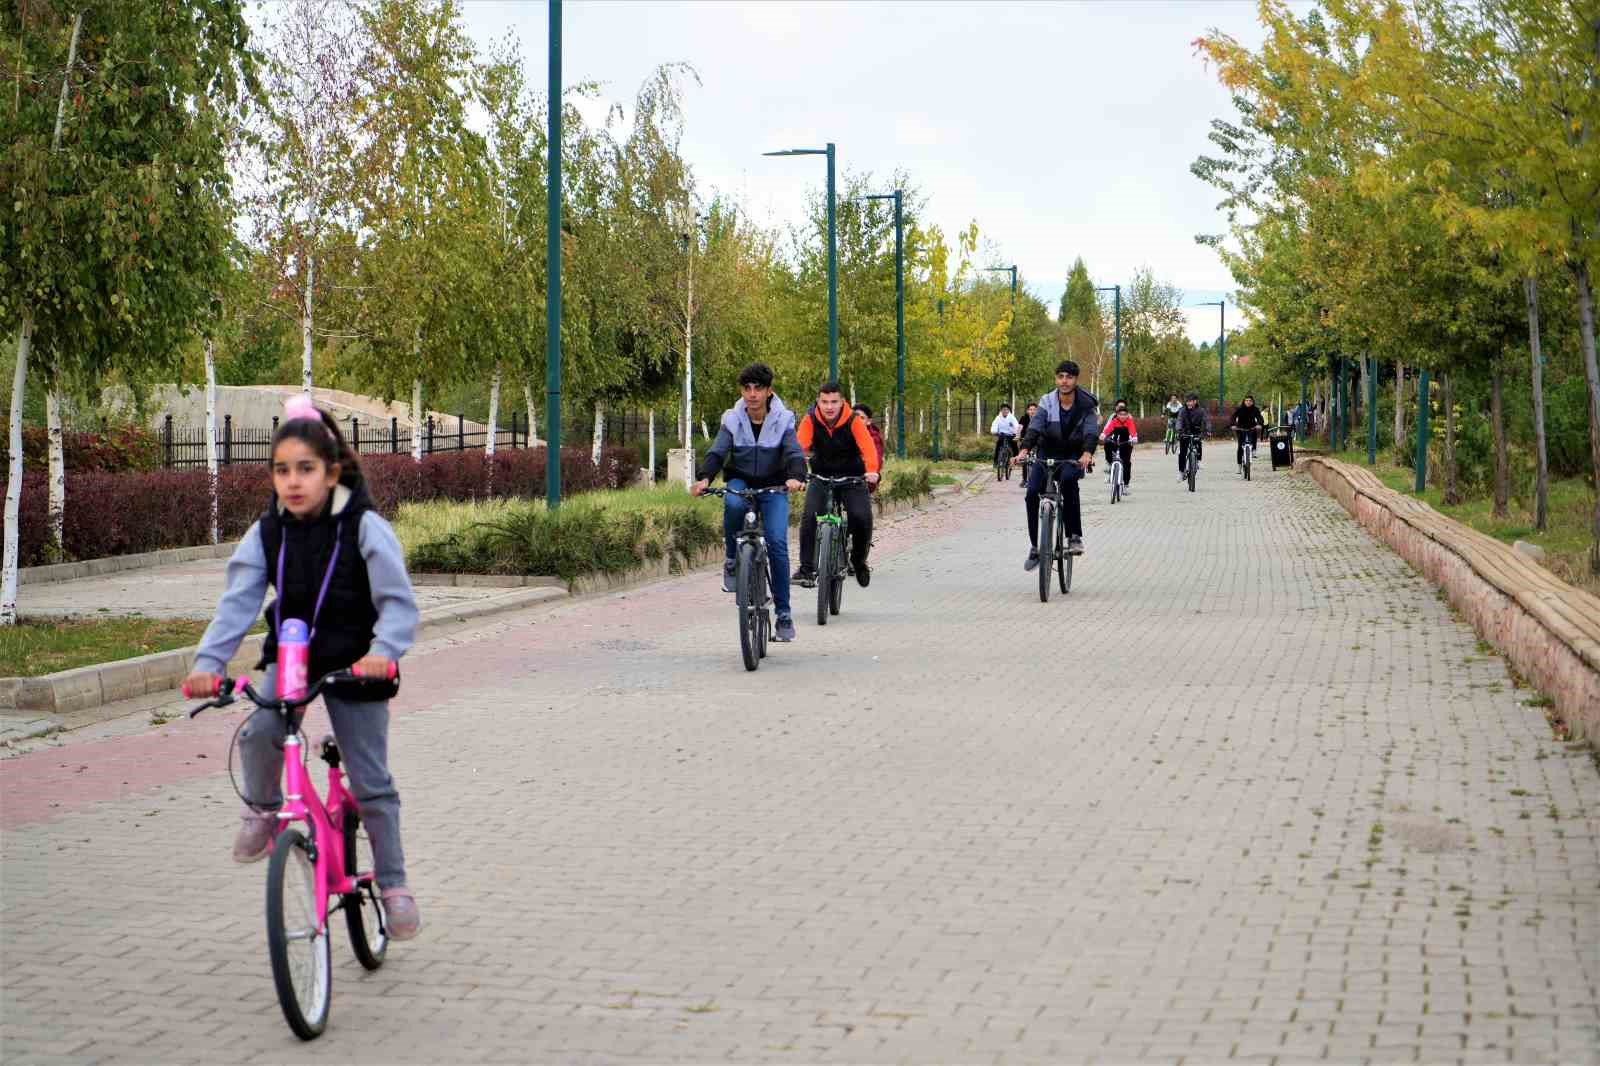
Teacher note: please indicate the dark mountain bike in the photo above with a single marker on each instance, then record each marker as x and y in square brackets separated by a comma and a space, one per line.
[1053, 530]
[833, 546]
[1005, 448]
[753, 593]
[1191, 459]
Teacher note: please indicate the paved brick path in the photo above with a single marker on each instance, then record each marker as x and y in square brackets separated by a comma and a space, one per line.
[1249, 792]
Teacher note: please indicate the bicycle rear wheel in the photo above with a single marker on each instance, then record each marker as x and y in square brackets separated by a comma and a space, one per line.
[748, 600]
[826, 532]
[297, 937]
[363, 910]
[1047, 533]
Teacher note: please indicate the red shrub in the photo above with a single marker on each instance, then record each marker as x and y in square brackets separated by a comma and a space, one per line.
[120, 449]
[120, 514]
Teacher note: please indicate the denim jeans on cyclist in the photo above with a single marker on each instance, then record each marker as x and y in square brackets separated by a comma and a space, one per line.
[1067, 477]
[362, 729]
[857, 504]
[775, 523]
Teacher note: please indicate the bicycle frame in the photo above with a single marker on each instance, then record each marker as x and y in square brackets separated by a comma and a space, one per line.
[302, 803]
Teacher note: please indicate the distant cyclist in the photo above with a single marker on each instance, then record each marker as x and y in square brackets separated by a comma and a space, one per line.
[1065, 427]
[1119, 436]
[1193, 424]
[1005, 430]
[1246, 421]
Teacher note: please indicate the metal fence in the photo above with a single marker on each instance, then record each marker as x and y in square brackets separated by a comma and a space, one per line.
[185, 446]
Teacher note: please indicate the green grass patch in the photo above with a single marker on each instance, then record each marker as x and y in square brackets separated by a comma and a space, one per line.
[30, 649]
[597, 533]
[1566, 542]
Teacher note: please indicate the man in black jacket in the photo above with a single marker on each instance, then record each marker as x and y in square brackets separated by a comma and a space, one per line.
[1193, 422]
[1065, 427]
[1245, 422]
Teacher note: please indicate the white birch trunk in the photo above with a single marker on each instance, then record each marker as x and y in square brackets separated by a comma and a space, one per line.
[652, 446]
[920, 413]
[494, 411]
[13, 543]
[305, 327]
[852, 391]
[533, 421]
[705, 433]
[599, 433]
[57, 461]
[416, 419]
[211, 439]
[977, 426]
[1541, 484]
[1399, 402]
[949, 402]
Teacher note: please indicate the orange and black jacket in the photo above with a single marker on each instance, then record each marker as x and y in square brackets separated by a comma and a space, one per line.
[844, 449]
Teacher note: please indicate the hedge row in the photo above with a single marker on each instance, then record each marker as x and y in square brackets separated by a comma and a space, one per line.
[116, 450]
[120, 514]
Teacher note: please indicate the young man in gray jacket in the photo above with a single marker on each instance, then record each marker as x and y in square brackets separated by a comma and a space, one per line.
[1065, 427]
[756, 448]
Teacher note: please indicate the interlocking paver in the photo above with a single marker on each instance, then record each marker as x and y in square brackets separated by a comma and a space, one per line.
[1249, 791]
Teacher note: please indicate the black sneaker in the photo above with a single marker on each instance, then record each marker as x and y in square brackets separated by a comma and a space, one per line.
[1074, 545]
[785, 632]
[863, 574]
[1033, 560]
[730, 575]
[806, 579]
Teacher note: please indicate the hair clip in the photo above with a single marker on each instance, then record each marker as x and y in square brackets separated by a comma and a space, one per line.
[300, 406]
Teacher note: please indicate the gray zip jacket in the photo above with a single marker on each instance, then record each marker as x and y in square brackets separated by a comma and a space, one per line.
[246, 591]
[764, 463]
[1064, 435]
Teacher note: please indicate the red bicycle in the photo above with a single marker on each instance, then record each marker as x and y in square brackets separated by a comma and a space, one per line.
[317, 869]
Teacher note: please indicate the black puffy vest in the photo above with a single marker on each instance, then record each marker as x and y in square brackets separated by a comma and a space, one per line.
[345, 626]
[835, 454]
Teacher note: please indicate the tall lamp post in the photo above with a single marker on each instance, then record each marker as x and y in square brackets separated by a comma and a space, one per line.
[833, 257]
[1117, 385]
[690, 238]
[552, 380]
[899, 319]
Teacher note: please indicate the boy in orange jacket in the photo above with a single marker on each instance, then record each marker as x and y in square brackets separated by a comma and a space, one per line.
[838, 443]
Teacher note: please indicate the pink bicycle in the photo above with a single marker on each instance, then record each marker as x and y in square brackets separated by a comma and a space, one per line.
[319, 869]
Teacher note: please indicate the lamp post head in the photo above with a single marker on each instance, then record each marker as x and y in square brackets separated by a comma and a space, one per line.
[799, 151]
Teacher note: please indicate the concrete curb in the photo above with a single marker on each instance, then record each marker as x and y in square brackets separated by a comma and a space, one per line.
[90, 686]
[1547, 629]
[111, 564]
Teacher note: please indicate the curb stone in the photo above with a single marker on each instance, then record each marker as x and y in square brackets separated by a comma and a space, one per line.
[1546, 628]
[27, 704]
[111, 564]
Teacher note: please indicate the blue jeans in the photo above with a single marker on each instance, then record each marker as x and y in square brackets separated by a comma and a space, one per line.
[775, 526]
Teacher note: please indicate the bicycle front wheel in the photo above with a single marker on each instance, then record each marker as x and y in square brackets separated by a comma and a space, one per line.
[749, 604]
[1047, 533]
[1247, 466]
[1193, 470]
[363, 910]
[297, 937]
[825, 561]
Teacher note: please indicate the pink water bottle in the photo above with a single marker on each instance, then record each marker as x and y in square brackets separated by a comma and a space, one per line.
[294, 659]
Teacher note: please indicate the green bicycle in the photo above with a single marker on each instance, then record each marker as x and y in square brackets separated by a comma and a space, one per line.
[833, 546]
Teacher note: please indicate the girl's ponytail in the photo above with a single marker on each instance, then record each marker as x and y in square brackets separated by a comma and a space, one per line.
[349, 462]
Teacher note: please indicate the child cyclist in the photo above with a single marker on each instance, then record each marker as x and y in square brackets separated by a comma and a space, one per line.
[756, 449]
[334, 563]
[1119, 436]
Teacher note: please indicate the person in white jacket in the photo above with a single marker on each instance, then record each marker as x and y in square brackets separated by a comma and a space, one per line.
[1005, 430]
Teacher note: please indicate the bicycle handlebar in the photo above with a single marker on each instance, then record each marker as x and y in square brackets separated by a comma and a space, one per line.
[856, 479]
[231, 687]
[748, 494]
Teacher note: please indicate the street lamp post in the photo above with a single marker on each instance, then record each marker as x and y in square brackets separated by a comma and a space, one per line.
[1117, 364]
[833, 257]
[899, 319]
[1222, 350]
[690, 239]
[552, 382]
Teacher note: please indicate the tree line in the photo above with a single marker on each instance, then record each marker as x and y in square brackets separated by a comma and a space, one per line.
[351, 193]
[1417, 187]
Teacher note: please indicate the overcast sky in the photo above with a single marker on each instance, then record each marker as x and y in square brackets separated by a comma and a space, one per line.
[1064, 129]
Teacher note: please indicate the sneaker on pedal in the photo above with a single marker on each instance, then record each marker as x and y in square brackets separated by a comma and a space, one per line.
[806, 579]
[1032, 561]
[401, 918]
[254, 840]
[730, 575]
[1074, 545]
[785, 631]
[863, 574]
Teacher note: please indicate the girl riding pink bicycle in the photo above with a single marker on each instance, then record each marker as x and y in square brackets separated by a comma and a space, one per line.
[334, 563]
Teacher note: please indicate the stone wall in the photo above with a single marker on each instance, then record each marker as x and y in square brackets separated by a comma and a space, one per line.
[1548, 630]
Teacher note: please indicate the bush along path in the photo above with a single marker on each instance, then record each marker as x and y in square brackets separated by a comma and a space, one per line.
[124, 512]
